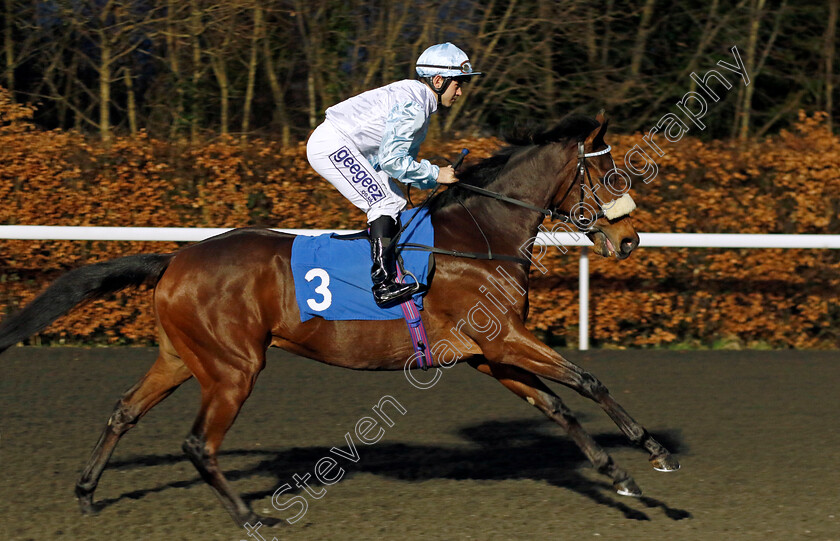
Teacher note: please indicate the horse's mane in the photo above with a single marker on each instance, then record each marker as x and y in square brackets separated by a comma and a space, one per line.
[572, 127]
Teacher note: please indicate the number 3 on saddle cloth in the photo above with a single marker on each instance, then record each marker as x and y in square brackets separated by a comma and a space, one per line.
[332, 278]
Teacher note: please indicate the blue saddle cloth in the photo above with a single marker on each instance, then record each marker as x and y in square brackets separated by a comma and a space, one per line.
[332, 275]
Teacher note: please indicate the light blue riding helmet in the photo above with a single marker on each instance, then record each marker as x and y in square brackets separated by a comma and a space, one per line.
[446, 60]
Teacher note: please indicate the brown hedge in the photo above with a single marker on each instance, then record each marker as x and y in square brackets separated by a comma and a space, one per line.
[784, 184]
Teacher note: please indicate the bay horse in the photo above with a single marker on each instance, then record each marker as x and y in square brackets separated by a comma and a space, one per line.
[222, 302]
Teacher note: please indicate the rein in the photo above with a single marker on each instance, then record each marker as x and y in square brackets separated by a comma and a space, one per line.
[582, 171]
[414, 247]
[580, 221]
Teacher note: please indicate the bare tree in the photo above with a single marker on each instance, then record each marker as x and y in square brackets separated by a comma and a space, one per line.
[755, 66]
[108, 33]
[183, 67]
[309, 19]
[131, 101]
[174, 34]
[219, 39]
[483, 48]
[278, 36]
[196, 30]
[20, 39]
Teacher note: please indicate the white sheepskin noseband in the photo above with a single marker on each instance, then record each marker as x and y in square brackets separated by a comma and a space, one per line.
[617, 208]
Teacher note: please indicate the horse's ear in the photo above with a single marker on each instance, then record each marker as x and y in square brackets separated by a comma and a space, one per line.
[597, 135]
[600, 117]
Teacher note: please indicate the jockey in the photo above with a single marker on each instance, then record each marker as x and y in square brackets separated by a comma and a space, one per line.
[370, 139]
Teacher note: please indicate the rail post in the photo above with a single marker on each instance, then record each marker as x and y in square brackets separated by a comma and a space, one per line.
[583, 285]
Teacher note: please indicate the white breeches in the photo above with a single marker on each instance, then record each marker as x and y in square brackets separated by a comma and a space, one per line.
[338, 160]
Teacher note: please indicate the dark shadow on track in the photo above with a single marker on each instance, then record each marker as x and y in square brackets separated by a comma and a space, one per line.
[501, 451]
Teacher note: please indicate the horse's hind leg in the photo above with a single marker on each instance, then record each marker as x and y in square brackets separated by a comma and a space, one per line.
[536, 393]
[521, 349]
[220, 404]
[227, 374]
[165, 376]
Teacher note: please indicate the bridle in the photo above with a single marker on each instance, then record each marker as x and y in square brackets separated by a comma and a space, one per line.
[581, 221]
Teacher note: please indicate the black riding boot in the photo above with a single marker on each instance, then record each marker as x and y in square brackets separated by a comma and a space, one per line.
[386, 290]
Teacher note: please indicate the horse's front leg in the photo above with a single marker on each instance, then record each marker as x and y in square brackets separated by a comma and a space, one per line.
[536, 393]
[519, 348]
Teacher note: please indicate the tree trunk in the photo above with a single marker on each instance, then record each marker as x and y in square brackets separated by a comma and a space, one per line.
[306, 43]
[132, 103]
[9, 46]
[752, 45]
[281, 117]
[423, 40]
[175, 68]
[547, 54]
[628, 90]
[310, 93]
[589, 35]
[373, 63]
[395, 32]
[714, 23]
[195, 111]
[68, 92]
[105, 89]
[217, 62]
[828, 53]
[73, 95]
[641, 38]
[487, 52]
[739, 106]
[252, 72]
[388, 54]
[605, 41]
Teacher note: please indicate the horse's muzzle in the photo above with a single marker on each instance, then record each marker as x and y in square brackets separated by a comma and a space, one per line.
[627, 245]
[606, 247]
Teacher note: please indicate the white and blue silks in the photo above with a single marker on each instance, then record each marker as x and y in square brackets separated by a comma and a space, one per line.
[371, 138]
[405, 130]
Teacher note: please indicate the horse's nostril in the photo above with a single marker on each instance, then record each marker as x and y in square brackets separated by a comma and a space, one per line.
[627, 245]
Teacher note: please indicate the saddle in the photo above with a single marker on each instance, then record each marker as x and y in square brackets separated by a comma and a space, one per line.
[332, 277]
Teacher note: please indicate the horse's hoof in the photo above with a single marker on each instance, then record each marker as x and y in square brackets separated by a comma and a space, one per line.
[272, 521]
[628, 487]
[254, 519]
[665, 463]
[87, 507]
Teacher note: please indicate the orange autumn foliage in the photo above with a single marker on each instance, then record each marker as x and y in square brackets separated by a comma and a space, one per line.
[785, 184]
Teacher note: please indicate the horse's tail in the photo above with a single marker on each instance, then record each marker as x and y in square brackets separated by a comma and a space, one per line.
[80, 285]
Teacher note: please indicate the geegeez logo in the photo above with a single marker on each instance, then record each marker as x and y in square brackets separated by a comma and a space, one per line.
[357, 175]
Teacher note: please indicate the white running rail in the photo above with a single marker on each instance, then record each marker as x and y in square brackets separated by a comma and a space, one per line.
[647, 240]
